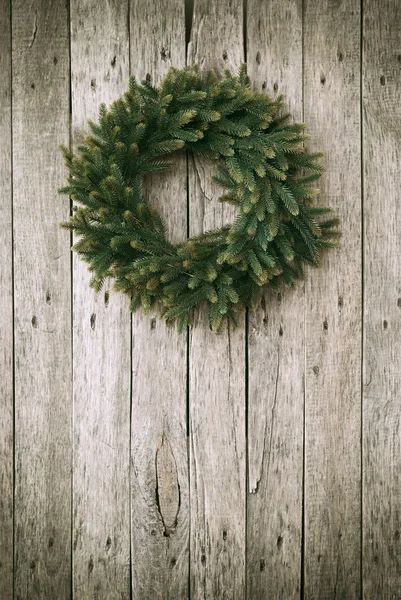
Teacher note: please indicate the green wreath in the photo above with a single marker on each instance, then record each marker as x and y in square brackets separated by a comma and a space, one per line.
[262, 165]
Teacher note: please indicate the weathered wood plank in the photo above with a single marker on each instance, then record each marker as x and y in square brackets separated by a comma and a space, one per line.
[333, 307]
[6, 313]
[382, 294]
[160, 494]
[101, 350]
[276, 350]
[40, 64]
[217, 362]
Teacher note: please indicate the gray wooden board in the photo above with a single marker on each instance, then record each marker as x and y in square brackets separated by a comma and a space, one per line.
[40, 121]
[101, 340]
[276, 349]
[6, 313]
[382, 306]
[159, 481]
[217, 362]
[333, 307]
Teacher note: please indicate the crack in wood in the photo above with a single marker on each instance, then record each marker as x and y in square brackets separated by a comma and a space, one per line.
[230, 368]
[254, 489]
[35, 30]
[201, 187]
[167, 491]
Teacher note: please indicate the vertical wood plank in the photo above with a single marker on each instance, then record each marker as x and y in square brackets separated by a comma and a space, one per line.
[101, 341]
[333, 311]
[40, 63]
[217, 362]
[276, 349]
[160, 494]
[382, 300]
[6, 313]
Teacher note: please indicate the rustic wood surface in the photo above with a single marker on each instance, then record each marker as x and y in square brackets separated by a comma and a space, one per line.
[6, 314]
[216, 363]
[381, 70]
[159, 478]
[333, 315]
[42, 307]
[275, 350]
[101, 340]
[263, 463]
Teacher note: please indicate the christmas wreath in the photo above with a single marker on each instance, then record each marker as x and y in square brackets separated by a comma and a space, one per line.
[262, 165]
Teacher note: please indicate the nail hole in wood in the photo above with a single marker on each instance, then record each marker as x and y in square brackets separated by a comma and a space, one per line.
[48, 298]
[33, 86]
[106, 298]
[258, 58]
[325, 325]
[275, 88]
[153, 323]
[264, 85]
[322, 79]
[93, 321]
[108, 543]
[224, 534]
[385, 324]
[262, 564]
[340, 56]
[225, 55]
[51, 542]
[340, 301]
[90, 565]
[32, 564]
[173, 562]
[280, 331]
[93, 84]
[148, 77]
[279, 542]
[316, 370]
[113, 61]
[382, 80]
[55, 61]
[34, 322]
[203, 559]
[164, 54]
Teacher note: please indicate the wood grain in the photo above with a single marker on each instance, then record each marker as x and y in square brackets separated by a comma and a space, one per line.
[382, 307]
[6, 313]
[160, 491]
[276, 349]
[42, 302]
[333, 307]
[217, 362]
[101, 521]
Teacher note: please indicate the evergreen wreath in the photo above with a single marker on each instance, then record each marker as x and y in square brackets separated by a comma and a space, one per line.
[262, 165]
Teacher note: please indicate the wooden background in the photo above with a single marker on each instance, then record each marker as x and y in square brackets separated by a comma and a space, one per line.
[263, 463]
